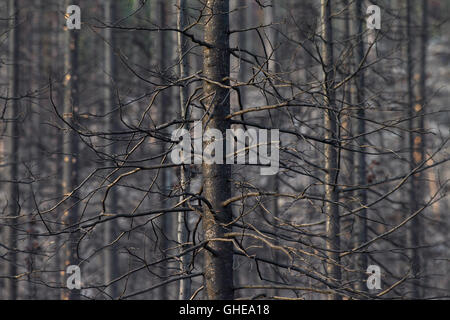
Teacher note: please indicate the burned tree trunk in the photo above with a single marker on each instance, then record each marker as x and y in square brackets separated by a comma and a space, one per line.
[70, 154]
[218, 271]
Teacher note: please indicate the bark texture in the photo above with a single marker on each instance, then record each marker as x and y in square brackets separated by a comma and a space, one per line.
[218, 271]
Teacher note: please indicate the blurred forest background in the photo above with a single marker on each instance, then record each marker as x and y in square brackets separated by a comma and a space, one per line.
[87, 179]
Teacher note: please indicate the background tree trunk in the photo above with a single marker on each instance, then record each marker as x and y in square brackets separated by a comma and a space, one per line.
[183, 217]
[168, 227]
[331, 155]
[14, 114]
[70, 153]
[415, 156]
[111, 262]
[361, 171]
[416, 107]
[270, 44]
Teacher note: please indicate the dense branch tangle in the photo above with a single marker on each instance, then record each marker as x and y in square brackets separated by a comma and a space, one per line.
[363, 152]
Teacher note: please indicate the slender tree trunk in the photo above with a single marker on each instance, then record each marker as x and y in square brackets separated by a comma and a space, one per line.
[243, 16]
[167, 221]
[331, 154]
[420, 141]
[242, 41]
[271, 42]
[58, 42]
[218, 272]
[111, 263]
[347, 116]
[361, 170]
[417, 141]
[13, 150]
[183, 217]
[413, 238]
[70, 152]
[35, 150]
[347, 176]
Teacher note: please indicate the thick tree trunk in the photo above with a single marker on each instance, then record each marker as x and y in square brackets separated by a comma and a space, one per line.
[13, 150]
[70, 152]
[331, 154]
[218, 271]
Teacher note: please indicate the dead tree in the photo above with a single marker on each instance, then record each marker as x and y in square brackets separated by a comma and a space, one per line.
[218, 269]
[70, 154]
